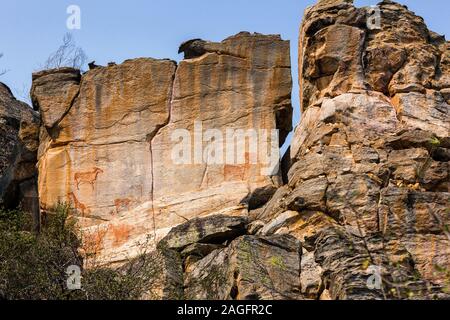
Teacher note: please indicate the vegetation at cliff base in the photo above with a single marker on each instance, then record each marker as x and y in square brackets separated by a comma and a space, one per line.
[34, 266]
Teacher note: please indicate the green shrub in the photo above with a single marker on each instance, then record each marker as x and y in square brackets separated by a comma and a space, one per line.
[33, 266]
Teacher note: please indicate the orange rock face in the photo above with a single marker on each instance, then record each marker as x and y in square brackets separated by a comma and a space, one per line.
[107, 140]
[19, 140]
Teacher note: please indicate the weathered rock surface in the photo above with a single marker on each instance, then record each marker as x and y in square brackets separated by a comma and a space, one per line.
[217, 259]
[251, 268]
[214, 229]
[364, 209]
[19, 140]
[369, 176]
[110, 136]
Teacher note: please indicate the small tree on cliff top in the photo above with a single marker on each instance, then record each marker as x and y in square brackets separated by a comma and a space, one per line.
[67, 55]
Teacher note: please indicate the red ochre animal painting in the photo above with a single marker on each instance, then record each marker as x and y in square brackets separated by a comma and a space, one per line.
[80, 207]
[87, 177]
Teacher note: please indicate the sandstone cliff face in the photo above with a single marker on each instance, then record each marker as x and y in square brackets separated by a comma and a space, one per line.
[368, 192]
[365, 210]
[107, 139]
[19, 133]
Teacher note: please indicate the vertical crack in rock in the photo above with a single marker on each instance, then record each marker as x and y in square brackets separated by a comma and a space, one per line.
[53, 131]
[151, 137]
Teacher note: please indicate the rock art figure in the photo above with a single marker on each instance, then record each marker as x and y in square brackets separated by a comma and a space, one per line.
[87, 177]
[80, 207]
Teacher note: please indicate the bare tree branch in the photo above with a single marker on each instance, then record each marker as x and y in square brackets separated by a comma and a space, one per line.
[2, 71]
[67, 55]
[23, 93]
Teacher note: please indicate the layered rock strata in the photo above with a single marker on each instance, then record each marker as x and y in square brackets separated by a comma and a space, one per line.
[126, 144]
[368, 190]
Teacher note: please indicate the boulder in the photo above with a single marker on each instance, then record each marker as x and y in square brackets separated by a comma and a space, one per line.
[250, 268]
[209, 230]
[160, 275]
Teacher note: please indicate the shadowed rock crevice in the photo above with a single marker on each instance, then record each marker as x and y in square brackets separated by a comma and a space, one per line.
[19, 135]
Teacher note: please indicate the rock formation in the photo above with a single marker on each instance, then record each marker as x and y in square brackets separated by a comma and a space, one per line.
[108, 138]
[19, 139]
[365, 212]
[217, 257]
[358, 210]
[369, 179]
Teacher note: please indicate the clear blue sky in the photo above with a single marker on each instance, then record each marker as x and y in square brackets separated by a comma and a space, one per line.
[118, 30]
